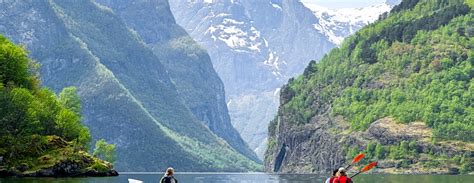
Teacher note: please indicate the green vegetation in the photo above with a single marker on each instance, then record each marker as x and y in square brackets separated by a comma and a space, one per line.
[28, 109]
[70, 100]
[410, 66]
[466, 164]
[470, 3]
[201, 152]
[108, 57]
[138, 98]
[415, 64]
[409, 153]
[35, 122]
[375, 151]
[105, 151]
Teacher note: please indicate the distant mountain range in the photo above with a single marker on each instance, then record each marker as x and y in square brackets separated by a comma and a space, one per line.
[256, 46]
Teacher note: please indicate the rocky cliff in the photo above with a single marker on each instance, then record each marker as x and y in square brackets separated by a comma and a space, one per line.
[388, 92]
[256, 46]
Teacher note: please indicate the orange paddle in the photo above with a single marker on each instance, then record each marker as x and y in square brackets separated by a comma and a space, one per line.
[366, 168]
[356, 160]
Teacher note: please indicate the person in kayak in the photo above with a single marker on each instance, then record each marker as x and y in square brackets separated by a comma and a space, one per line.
[168, 177]
[342, 177]
[333, 176]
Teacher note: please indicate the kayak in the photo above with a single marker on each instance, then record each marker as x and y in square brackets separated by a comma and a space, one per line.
[134, 181]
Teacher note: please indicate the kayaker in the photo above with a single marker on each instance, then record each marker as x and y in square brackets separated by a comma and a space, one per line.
[342, 177]
[333, 176]
[168, 177]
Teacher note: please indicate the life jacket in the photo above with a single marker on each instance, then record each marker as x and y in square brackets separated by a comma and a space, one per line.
[330, 180]
[169, 179]
[343, 179]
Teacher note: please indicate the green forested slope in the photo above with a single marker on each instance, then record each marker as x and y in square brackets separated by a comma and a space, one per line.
[188, 65]
[411, 67]
[128, 96]
[39, 130]
[415, 64]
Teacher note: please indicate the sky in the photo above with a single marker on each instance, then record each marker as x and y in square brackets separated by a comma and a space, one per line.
[335, 4]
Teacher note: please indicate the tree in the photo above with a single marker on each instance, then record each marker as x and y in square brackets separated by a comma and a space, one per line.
[466, 163]
[413, 146]
[470, 3]
[13, 64]
[46, 109]
[69, 126]
[404, 146]
[379, 151]
[68, 120]
[70, 100]
[370, 149]
[17, 117]
[30, 116]
[105, 151]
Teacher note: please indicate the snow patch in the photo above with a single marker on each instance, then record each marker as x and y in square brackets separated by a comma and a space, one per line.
[272, 61]
[238, 35]
[231, 21]
[337, 24]
[276, 92]
[276, 6]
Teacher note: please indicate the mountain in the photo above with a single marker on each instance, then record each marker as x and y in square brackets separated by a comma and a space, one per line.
[202, 90]
[399, 90]
[256, 46]
[145, 86]
[336, 24]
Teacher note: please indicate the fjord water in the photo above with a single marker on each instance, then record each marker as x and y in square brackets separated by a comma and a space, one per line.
[252, 178]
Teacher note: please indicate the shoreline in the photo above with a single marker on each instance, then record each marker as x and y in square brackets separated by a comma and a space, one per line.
[265, 173]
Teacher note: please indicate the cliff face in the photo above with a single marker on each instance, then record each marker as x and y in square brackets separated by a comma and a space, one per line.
[132, 97]
[386, 93]
[188, 65]
[255, 47]
[311, 147]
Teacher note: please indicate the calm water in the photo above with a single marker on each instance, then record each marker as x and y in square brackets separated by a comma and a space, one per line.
[253, 178]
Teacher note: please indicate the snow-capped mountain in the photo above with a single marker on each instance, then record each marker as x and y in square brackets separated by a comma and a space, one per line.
[257, 45]
[337, 24]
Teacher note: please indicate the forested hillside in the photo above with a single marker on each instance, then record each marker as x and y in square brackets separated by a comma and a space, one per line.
[400, 89]
[41, 133]
[189, 66]
[131, 97]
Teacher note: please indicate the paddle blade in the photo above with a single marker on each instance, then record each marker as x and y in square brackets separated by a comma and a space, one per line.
[358, 158]
[134, 181]
[369, 166]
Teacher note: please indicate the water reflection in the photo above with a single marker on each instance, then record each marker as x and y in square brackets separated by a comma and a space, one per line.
[250, 178]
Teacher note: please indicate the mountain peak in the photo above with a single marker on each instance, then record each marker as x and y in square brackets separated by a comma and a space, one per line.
[336, 24]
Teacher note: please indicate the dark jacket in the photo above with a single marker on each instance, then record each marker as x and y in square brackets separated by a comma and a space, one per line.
[168, 179]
